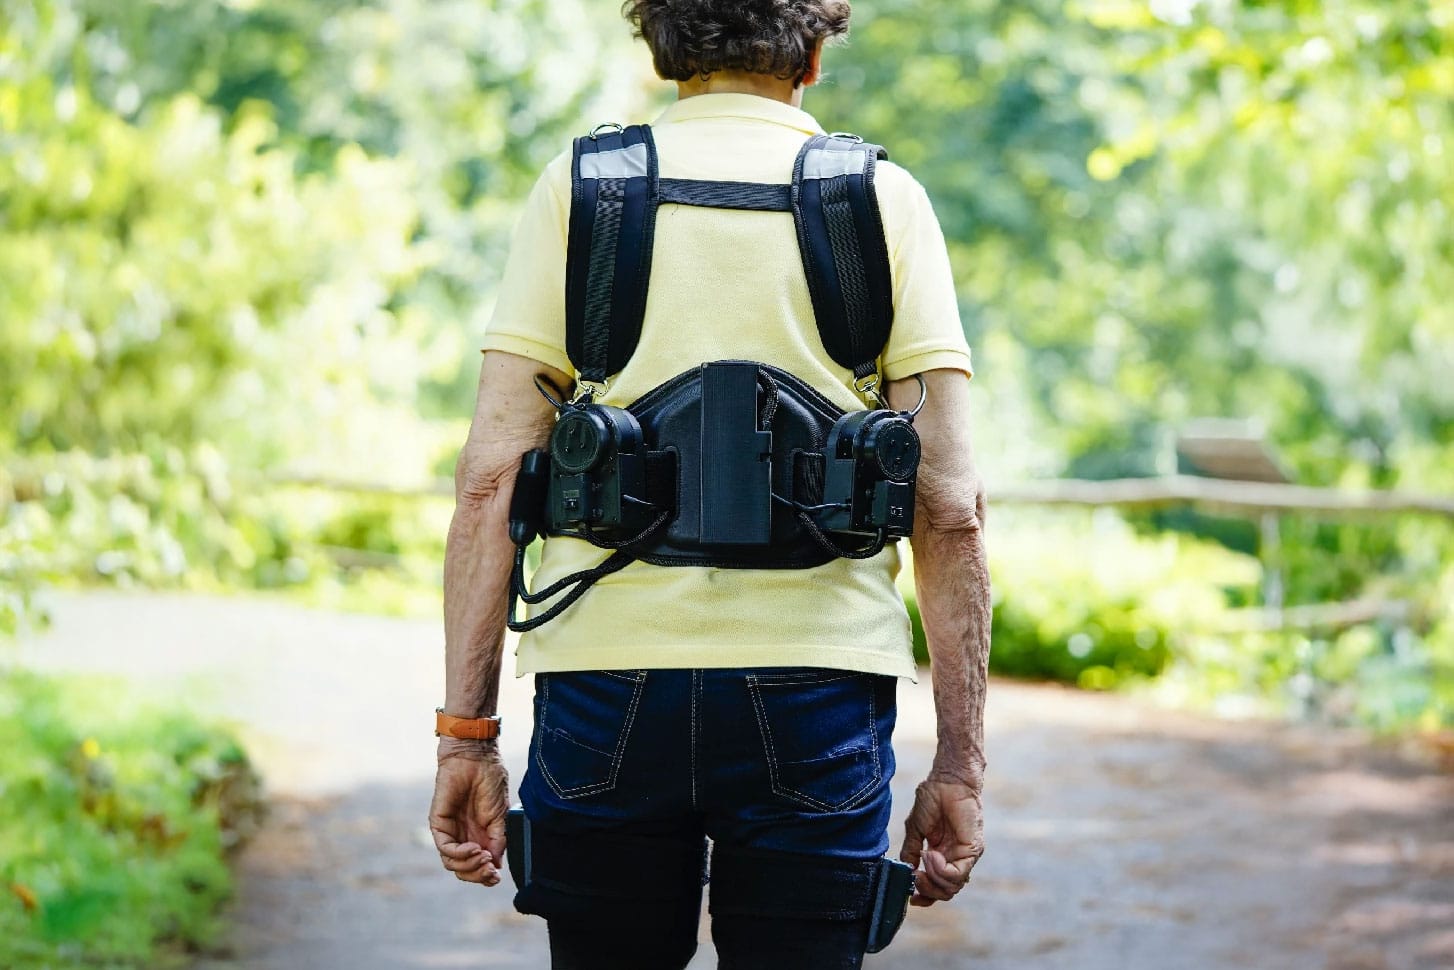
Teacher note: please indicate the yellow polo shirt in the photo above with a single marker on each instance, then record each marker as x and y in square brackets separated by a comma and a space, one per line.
[728, 284]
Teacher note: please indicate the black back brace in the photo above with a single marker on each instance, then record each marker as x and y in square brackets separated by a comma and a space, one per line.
[616, 189]
[731, 464]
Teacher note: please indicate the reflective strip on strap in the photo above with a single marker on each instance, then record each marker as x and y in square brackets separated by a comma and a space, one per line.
[845, 258]
[621, 163]
[822, 163]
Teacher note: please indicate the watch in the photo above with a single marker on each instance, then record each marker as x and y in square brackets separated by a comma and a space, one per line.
[467, 728]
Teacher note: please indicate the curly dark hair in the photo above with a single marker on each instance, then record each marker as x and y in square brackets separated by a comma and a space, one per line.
[697, 38]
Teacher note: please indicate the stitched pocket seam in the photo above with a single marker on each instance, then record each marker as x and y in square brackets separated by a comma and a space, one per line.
[591, 788]
[774, 772]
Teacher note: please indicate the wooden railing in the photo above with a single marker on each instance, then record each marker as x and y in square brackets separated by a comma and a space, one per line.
[1238, 498]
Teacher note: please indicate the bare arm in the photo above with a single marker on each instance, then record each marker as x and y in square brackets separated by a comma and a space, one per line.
[951, 579]
[471, 790]
[510, 419]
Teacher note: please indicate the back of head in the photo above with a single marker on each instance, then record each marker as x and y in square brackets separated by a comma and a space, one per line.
[698, 38]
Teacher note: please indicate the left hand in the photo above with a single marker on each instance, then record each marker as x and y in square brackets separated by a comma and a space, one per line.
[946, 816]
[467, 816]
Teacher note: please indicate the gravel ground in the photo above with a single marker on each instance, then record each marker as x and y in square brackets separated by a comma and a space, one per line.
[1119, 836]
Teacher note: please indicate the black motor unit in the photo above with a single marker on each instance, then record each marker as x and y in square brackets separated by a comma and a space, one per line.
[868, 488]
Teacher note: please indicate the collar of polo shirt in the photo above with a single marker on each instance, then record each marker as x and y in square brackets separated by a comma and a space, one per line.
[748, 106]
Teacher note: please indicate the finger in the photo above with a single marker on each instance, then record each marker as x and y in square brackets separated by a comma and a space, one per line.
[962, 856]
[446, 842]
[958, 869]
[932, 880]
[483, 876]
[924, 894]
[940, 869]
[913, 842]
[486, 873]
[912, 851]
[470, 864]
[494, 841]
[929, 889]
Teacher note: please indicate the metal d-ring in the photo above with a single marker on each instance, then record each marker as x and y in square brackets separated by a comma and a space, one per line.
[857, 139]
[923, 396]
[596, 131]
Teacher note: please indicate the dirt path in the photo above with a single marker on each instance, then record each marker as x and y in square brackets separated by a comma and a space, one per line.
[1119, 836]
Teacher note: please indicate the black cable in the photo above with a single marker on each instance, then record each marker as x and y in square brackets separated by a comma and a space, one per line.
[581, 580]
[831, 546]
[556, 402]
[641, 536]
[614, 563]
[769, 408]
[800, 507]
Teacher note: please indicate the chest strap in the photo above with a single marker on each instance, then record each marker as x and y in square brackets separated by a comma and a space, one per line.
[615, 192]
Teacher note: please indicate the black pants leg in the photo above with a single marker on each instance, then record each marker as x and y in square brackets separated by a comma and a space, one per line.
[756, 943]
[616, 901]
[659, 938]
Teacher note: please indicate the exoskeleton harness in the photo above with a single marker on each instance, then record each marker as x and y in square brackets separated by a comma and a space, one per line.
[731, 464]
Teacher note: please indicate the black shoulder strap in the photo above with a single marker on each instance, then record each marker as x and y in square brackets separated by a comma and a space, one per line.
[614, 195]
[845, 256]
[615, 192]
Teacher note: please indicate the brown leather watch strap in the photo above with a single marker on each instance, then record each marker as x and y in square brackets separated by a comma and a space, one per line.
[467, 728]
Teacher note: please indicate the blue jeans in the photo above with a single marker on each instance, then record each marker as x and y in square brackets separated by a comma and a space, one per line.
[786, 770]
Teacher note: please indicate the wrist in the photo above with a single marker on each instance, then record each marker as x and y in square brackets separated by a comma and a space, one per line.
[958, 770]
[468, 749]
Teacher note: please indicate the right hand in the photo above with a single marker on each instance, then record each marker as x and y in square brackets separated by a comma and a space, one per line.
[947, 818]
[467, 816]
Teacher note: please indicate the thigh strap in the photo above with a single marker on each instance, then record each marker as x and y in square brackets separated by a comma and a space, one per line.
[759, 883]
[585, 874]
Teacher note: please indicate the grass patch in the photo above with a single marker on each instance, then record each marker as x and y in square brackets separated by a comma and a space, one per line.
[115, 827]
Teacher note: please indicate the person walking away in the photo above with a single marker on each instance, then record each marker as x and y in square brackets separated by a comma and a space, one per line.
[724, 375]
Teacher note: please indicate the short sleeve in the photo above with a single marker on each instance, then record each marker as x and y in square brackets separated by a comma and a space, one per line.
[529, 315]
[927, 333]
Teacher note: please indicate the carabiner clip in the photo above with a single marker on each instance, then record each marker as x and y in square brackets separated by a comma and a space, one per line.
[867, 386]
[588, 391]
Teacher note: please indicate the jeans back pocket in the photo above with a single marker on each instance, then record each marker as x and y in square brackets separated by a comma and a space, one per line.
[819, 734]
[583, 722]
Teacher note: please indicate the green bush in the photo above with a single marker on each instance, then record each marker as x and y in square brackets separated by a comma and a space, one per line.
[116, 825]
[1097, 606]
[1102, 606]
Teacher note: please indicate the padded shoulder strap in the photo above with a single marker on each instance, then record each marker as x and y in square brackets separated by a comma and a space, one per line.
[615, 192]
[845, 256]
[614, 196]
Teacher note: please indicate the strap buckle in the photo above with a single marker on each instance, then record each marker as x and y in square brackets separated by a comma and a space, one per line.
[596, 131]
[588, 391]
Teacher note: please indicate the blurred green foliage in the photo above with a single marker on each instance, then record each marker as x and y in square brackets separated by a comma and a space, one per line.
[1160, 211]
[1089, 600]
[1165, 210]
[116, 824]
[1094, 603]
[247, 240]
[253, 239]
